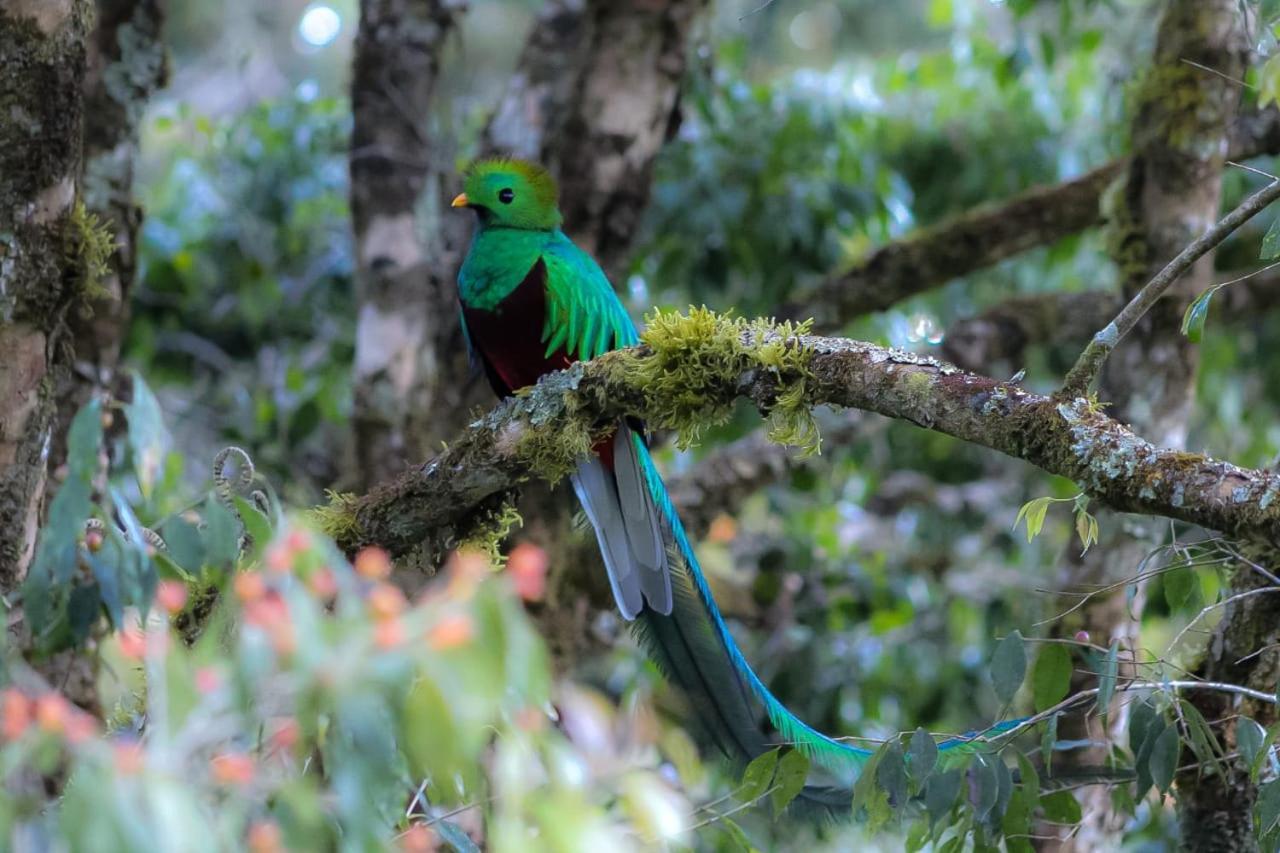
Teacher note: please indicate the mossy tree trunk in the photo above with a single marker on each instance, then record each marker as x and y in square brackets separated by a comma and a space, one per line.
[43, 58]
[126, 65]
[1170, 195]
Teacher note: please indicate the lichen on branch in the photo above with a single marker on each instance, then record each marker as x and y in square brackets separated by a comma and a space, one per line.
[689, 370]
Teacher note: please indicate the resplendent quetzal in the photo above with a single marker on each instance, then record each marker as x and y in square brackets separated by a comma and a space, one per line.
[532, 303]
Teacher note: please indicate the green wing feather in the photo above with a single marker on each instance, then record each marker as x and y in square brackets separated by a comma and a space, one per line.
[584, 315]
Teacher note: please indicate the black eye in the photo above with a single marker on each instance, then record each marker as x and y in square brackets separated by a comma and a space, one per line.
[506, 196]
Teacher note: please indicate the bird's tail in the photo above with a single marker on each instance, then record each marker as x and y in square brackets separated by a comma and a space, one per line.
[693, 645]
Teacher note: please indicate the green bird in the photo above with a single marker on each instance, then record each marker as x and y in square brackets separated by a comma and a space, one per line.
[532, 303]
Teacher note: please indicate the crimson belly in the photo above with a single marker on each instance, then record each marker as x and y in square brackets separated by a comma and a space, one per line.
[509, 342]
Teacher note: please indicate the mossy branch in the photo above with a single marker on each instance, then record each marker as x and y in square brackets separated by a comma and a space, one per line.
[690, 369]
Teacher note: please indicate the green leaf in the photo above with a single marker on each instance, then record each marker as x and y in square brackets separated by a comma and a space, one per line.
[891, 776]
[940, 793]
[221, 535]
[1009, 667]
[1086, 529]
[1052, 677]
[1142, 758]
[758, 776]
[1047, 742]
[1271, 240]
[1034, 512]
[256, 524]
[148, 437]
[1193, 318]
[106, 571]
[82, 610]
[1061, 807]
[1204, 743]
[1030, 781]
[1260, 760]
[1164, 758]
[737, 835]
[1141, 719]
[986, 780]
[1017, 823]
[185, 545]
[1268, 805]
[1250, 737]
[922, 756]
[793, 769]
[455, 836]
[1107, 679]
[1178, 585]
[83, 442]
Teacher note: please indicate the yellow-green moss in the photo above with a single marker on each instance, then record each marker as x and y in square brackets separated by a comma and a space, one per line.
[90, 245]
[492, 529]
[336, 519]
[697, 358]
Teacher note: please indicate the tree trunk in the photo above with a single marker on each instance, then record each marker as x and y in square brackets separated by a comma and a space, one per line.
[42, 237]
[126, 65]
[405, 253]
[1171, 195]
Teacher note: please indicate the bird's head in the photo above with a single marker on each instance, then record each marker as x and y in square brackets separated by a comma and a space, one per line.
[512, 194]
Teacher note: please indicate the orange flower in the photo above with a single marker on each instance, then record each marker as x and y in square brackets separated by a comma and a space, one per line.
[373, 563]
[232, 768]
[265, 837]
[389, 634]
[128, 757]
[451, 632]
[723, 529]
[297, 541]
[386, 601]
[528, 567]
[171, 596]
[418, 838]
[324, 583]
[249, 586]
[286, 735]
[278, 559]
[15, 713]
[80, 727]
[52, 713]
[208, 679]
[93, 540]
[133, 643]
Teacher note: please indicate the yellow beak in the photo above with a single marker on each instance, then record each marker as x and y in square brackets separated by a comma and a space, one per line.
[460, 201]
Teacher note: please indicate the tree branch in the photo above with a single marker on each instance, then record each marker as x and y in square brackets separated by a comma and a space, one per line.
[1090, 362]
[1003, 333]
[434, 504]
[980, 238]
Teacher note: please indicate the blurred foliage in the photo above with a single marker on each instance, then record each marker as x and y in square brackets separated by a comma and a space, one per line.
[244, 309]
[871, 593]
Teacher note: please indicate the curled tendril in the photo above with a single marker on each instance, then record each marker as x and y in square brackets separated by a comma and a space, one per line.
[227, 485]
[155, 540]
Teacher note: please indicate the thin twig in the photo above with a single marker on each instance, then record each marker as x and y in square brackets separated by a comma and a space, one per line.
[1178, 637]
[1090, 363]
[1218, 73]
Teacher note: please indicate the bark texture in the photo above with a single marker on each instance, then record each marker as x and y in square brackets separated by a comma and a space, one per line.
[595, 98]
[1170, 196]
[540, 435]
[42, 64]
[126, 65]
[403, 254]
